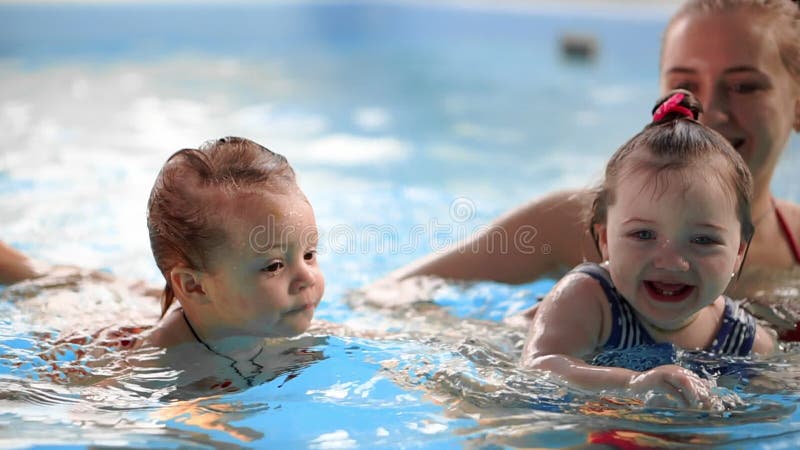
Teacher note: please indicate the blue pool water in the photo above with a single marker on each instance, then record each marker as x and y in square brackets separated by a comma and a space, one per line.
[410, 126]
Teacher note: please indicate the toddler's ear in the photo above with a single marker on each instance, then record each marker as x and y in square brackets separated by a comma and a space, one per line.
[600, 231]
[187, 284]
[740, 255]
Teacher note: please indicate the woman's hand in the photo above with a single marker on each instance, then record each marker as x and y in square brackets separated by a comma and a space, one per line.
[674, 386]
[391, 293]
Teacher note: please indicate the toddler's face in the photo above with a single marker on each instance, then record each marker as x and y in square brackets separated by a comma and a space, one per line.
[672, 241]
[267, 282]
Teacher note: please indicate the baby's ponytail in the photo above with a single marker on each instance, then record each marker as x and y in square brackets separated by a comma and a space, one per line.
[678, 104]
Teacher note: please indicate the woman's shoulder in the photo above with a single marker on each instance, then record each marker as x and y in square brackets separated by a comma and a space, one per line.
[789, 214]
[790, 211]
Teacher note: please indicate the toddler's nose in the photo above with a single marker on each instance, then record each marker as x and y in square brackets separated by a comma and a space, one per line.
[669, 258]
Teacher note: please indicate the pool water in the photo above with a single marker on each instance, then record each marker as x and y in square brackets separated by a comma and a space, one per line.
[410, 127]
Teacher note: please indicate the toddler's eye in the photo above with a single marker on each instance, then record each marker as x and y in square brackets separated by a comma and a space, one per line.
[274, 267]
[704, 240]
[309, 256]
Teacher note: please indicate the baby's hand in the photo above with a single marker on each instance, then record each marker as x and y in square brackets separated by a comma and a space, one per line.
[674, 386]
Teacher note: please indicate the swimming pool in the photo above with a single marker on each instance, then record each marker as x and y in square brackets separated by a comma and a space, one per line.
[410, 126]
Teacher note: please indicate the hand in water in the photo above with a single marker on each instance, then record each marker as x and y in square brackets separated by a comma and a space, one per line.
[390, 293]
[675, 387]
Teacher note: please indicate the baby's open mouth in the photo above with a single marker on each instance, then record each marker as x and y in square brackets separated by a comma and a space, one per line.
[668, 292]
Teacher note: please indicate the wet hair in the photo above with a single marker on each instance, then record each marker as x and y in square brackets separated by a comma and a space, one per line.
[783, 16]
[673, 143]
[183, 215]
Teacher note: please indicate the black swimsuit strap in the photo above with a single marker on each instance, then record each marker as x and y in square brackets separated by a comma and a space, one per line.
[248, 379]
[194, 333]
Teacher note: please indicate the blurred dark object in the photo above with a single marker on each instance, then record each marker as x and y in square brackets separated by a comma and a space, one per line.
[579, 47]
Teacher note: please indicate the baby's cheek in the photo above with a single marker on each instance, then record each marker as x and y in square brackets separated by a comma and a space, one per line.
[320, 283]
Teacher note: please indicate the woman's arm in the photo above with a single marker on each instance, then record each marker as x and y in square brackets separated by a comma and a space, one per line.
[15, 266]
[542, 238]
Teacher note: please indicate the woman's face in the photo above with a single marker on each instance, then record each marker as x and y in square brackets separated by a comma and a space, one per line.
[731, 62]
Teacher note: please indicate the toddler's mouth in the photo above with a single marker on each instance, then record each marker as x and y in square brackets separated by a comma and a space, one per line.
[668, 292]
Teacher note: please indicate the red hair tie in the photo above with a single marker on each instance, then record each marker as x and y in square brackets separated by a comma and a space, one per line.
[672, 105]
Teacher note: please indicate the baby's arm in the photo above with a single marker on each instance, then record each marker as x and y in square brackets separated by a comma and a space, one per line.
[569, 325]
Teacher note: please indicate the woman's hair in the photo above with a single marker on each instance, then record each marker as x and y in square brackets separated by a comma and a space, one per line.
[783, 16]
[183, 212]
[673, 142]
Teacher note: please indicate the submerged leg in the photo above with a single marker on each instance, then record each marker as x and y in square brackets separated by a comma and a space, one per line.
[15, 266]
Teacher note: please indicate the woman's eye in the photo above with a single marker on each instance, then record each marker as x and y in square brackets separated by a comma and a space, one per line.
[274, 267]
[744, 88]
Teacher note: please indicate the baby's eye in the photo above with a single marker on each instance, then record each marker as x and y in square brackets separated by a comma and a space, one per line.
[310, 255]
[273, 267]
[643, 235]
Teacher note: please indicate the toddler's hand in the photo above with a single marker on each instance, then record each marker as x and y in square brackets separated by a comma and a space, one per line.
[674, 386]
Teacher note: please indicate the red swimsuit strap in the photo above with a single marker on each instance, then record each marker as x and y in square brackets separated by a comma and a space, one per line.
[787, 232]
[792, 335]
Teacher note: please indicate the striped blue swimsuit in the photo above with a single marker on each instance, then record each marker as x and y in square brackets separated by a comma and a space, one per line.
[735, 337]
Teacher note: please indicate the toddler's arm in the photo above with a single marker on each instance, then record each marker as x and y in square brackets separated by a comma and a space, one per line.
[682, 387]
[766, 341]
[570, 325]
